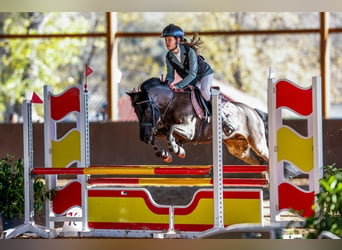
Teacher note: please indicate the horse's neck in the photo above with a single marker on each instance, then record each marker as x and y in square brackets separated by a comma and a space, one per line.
[177, 105]
[162, 97]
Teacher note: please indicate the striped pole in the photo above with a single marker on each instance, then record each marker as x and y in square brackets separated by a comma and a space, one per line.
[147, 170]
[200, 182]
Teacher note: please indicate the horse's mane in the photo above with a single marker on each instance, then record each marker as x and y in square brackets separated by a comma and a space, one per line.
[145, 87]
[150, 83]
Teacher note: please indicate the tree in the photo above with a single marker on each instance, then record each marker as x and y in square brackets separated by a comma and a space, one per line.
[240, 61]
[29, 64]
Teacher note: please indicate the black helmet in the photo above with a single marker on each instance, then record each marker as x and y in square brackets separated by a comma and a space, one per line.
[173, 30]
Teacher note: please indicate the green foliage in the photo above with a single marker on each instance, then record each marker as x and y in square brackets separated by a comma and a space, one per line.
[329, 205]
[26, 65]
[240, 61]
[12, 189]
[331, 170]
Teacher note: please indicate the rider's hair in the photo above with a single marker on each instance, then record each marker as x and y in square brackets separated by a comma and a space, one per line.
[195, 43]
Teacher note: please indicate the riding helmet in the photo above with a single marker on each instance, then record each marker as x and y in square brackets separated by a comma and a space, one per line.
[173, 30]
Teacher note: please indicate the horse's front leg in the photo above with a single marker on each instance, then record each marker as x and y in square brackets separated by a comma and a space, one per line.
[185, 131]
[173, 146]
[160, 152]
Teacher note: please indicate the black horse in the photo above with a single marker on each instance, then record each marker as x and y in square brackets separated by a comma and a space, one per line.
[163, 112]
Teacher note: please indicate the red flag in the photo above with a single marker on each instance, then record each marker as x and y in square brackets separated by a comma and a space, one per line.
[35, 98]
[88, 71]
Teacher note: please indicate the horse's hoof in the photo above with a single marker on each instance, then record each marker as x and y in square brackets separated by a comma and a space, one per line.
[181, 153]
[181, 156]
[168, 158]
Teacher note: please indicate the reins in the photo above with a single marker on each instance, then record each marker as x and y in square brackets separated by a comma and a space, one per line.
[168, 106]
[153, 120]
[153, 107]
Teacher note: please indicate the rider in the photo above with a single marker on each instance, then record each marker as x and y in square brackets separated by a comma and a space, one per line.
[182, 57]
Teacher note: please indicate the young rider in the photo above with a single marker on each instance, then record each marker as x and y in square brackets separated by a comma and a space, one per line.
[182, 57]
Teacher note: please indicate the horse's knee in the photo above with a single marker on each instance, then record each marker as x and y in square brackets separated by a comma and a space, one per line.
[260, 147]
[264, 153]
[251, 157]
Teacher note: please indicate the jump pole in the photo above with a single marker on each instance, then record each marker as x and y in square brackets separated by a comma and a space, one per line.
[218, 216]
[217, 163]
[147, 170]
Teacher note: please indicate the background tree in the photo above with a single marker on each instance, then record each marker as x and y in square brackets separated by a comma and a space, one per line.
[240, 61]
[29, 64]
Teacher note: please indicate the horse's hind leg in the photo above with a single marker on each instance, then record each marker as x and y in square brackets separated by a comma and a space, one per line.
[257, 137]
[240, 148]
[258, 143]
[261, 149]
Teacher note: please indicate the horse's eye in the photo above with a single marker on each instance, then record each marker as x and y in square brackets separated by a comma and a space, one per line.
[147, 111]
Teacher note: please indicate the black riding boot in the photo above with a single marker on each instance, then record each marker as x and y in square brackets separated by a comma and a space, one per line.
[207, 109]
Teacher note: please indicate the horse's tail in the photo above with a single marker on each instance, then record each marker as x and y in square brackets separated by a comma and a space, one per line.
[264, 117]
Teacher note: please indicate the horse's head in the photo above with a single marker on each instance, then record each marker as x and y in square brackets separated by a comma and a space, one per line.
[148, 114]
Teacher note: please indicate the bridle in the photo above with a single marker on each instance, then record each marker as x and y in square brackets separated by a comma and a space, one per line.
[154, 109]
[155, 121]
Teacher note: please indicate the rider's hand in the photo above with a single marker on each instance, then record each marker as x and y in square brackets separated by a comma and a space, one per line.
[172, 86]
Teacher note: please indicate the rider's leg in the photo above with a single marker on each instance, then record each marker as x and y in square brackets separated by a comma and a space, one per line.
[205, 85]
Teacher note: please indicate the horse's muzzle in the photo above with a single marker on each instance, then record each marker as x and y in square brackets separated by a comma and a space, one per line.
[145, 136]
[147, 139]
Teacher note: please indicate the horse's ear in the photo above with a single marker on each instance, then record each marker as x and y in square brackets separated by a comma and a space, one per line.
[131, 94]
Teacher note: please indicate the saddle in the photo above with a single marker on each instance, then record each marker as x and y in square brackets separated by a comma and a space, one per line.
[202, 107]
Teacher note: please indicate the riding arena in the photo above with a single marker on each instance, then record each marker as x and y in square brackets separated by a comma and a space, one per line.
[117, 201]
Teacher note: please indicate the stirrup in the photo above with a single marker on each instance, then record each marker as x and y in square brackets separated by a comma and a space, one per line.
[207, 117]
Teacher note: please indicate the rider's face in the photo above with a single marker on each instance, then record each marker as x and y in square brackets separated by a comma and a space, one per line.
[170, 42]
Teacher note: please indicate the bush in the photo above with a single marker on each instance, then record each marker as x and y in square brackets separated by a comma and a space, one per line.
[328, 206]
[12, 202]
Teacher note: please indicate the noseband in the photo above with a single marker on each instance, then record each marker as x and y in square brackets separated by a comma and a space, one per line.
[154, 109]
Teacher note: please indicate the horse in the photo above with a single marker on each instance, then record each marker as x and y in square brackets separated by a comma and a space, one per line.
[163, 112]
